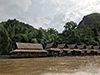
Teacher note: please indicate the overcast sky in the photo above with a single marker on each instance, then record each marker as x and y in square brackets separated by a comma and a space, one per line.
[47, 13]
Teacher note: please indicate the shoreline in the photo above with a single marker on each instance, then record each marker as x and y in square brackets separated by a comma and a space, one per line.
[9, 57]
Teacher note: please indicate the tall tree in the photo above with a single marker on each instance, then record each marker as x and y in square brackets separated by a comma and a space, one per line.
[4, 41]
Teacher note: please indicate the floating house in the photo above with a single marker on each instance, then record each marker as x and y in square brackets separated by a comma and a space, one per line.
[66, 50]
[82, 47]
[96, 50]
[96, 47]
[28, 50]
[76, 51]
[52, 49]
[73, 46]
[61, 46]
[89, 49]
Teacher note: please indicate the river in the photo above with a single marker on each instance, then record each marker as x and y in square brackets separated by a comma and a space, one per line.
[87, 65]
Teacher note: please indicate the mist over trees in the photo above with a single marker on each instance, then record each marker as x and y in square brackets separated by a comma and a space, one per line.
[87, 32]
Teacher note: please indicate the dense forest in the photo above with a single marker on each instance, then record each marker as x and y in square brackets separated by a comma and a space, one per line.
[86, 32]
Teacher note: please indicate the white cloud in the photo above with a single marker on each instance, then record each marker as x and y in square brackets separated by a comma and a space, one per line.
[47, 13]
[13, 8]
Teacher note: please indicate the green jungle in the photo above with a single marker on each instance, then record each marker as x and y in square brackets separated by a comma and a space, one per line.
[86, 32]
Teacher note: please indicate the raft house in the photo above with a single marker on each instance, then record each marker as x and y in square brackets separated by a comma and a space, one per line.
[54, 50]
[76, 51]
[82, 48]
[28, 50]
[64, 48]
[97, 49]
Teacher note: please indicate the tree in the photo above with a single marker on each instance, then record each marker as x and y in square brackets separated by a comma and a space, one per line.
[4, 40]
[69, 26]
[34, 40]
[70, 35]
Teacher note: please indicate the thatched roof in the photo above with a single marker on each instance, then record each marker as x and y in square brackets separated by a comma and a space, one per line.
[94, 50]
[91, 50]
[96, 47]
[77, 50]
[72, 46]
[98, 51]
[68, 50]
[89, 47]
[87, 50]
[51, 45]
[29, 46]
[61, 46]
[54, 49]
[81, 46]
[17, 50]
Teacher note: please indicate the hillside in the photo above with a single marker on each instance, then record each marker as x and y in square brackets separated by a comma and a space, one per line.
[91, 20]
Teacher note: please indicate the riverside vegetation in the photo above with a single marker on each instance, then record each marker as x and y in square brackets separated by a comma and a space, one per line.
[86, 32]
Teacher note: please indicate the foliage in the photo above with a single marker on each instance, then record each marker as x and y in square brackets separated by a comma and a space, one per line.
[14, 31]
[87, 32]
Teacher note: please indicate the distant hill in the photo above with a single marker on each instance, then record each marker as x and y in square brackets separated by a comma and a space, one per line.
[91, 20]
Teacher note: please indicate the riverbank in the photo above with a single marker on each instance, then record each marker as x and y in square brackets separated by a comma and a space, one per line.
[9, 57]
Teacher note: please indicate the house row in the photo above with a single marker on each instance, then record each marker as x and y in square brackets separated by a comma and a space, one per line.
[71, 50]
[52, 49]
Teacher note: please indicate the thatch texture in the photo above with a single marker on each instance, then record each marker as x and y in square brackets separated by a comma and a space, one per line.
[61, 46]
[51, 45]
[98, 51]
[81, 46]
[54, 49]
[73, 46]
[89, 47]
[79, 50]
[86, 50]
[29, 46]
[90, 50]
[15, 51]
[68, 50]
[96, 47]
[93, 50]
[28, 51]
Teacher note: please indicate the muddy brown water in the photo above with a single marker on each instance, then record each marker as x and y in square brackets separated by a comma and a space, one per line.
[88, 65]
